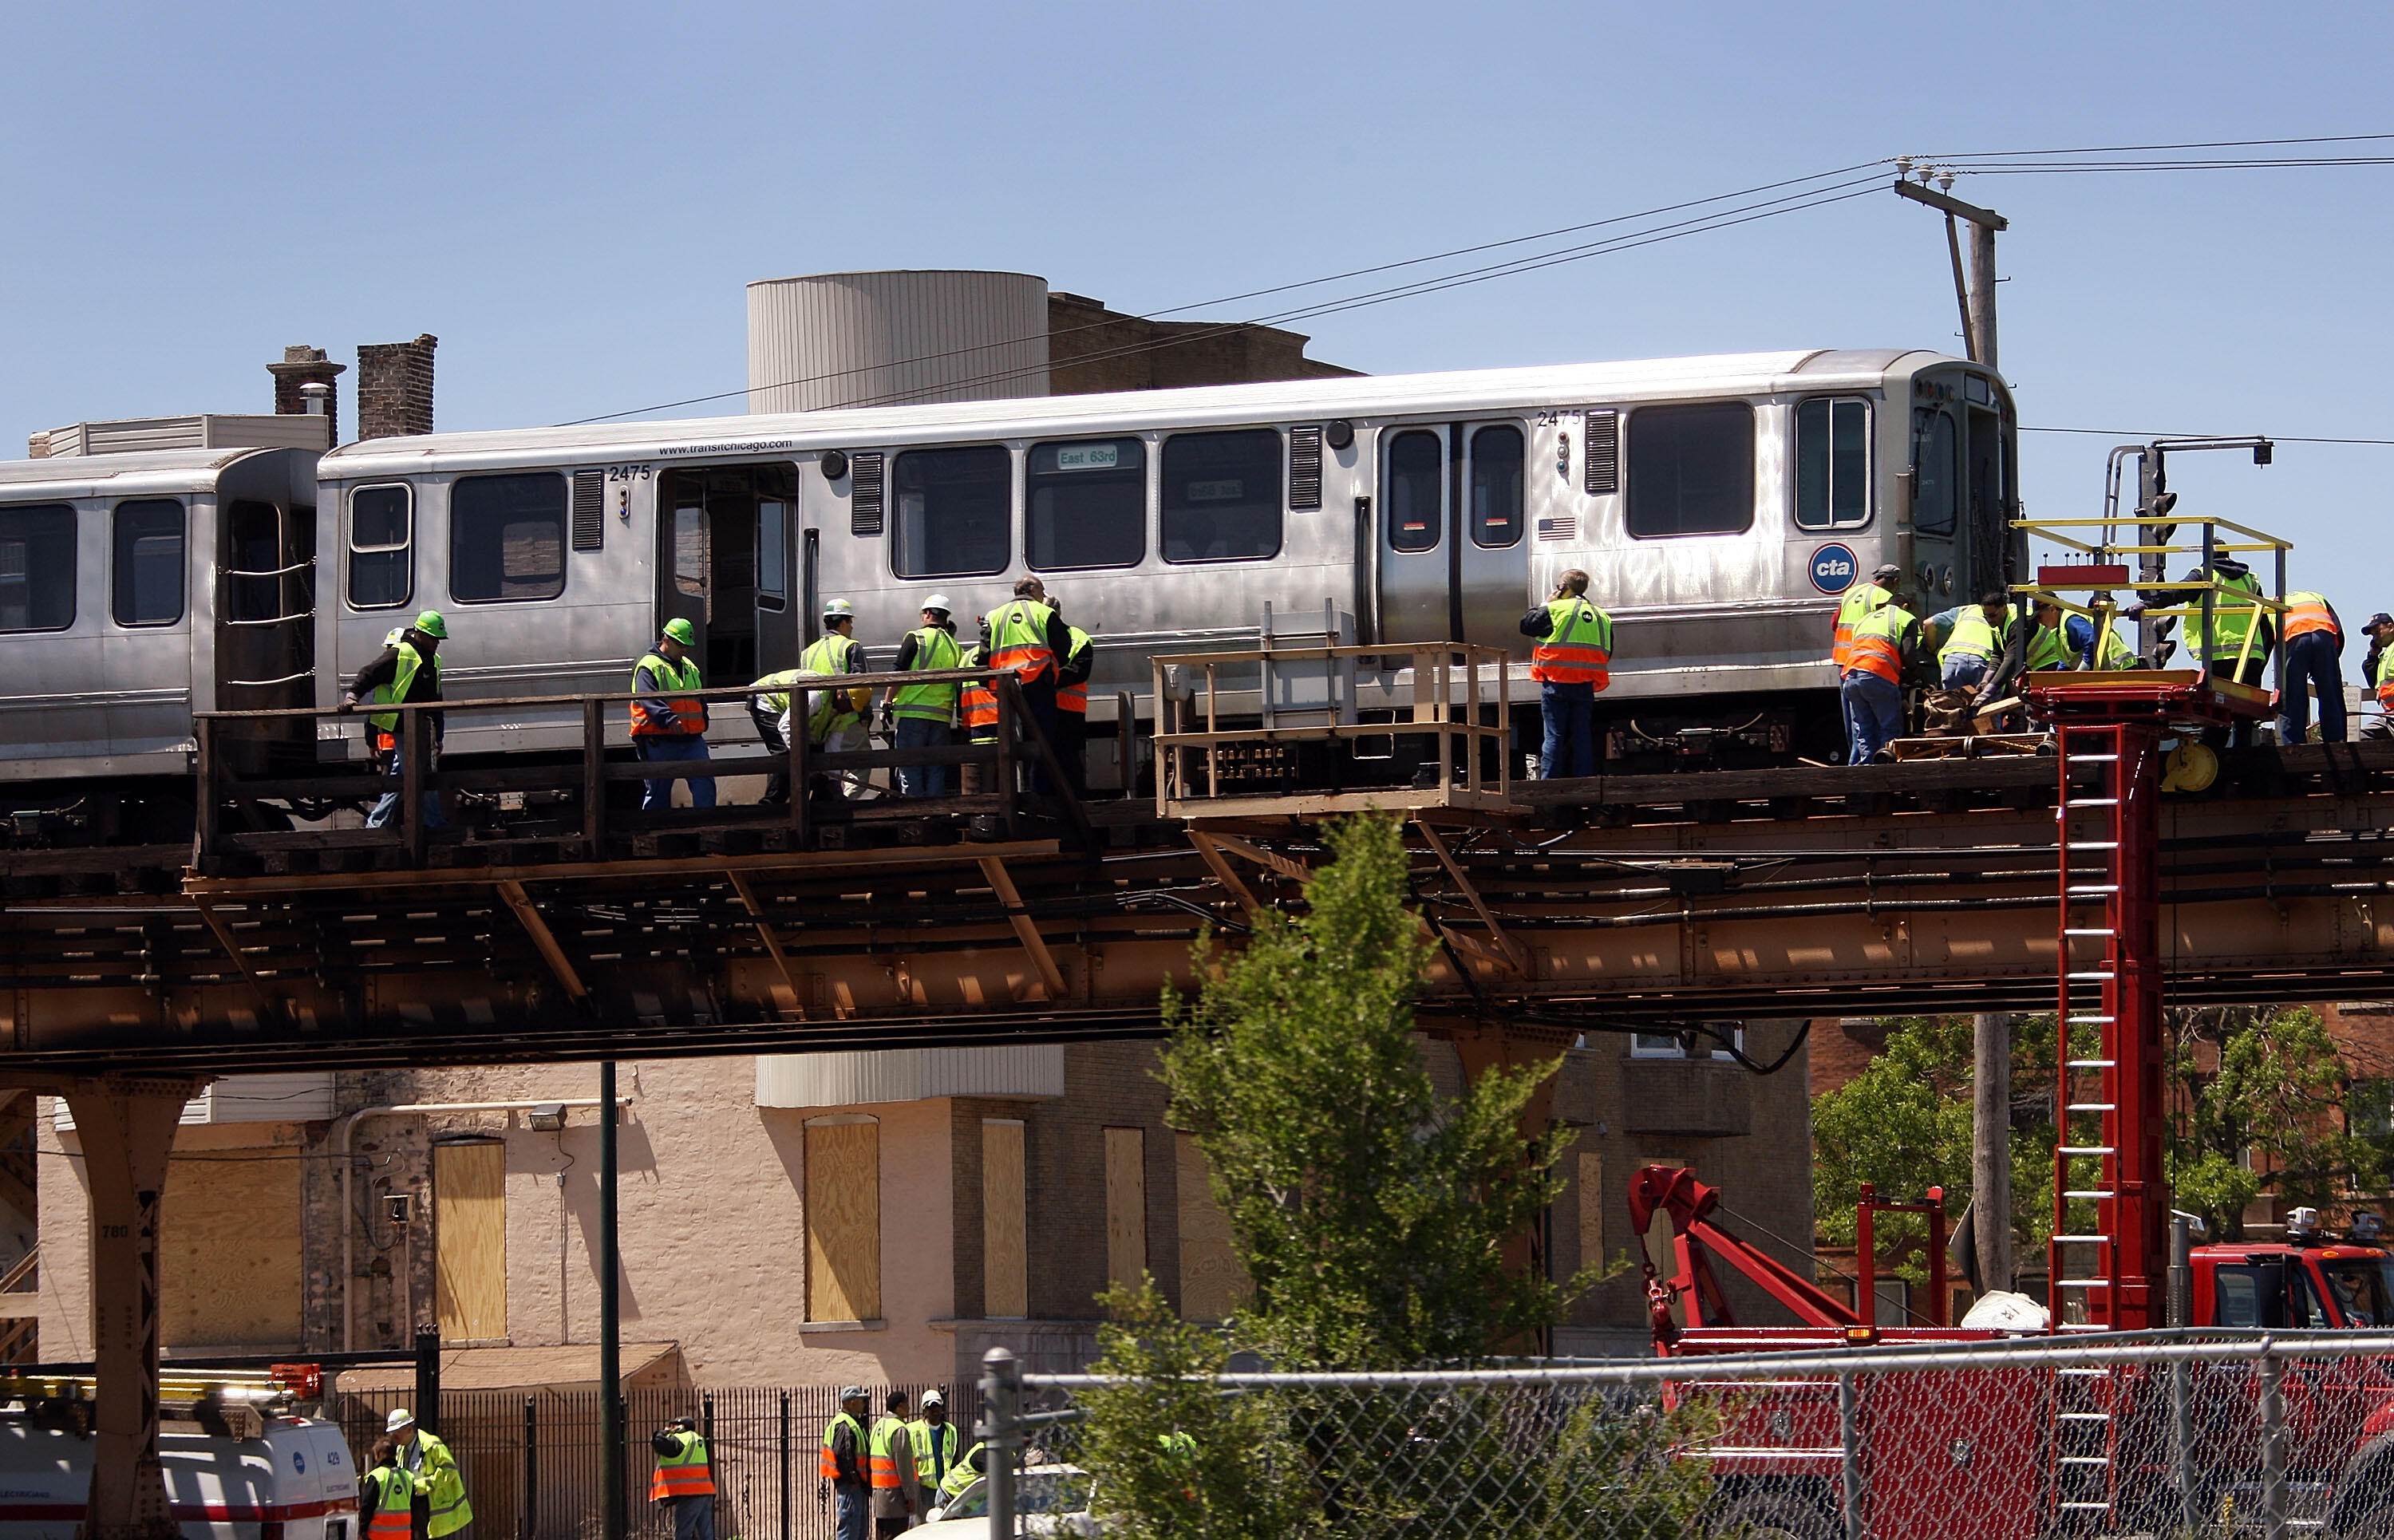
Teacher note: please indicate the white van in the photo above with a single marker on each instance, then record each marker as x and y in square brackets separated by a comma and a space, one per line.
[296, 1479]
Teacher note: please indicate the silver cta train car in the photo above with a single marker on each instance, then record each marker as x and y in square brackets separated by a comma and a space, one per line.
[1721, 504]
[136, 589]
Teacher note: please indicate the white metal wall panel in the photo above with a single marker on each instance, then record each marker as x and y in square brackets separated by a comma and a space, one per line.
[908, 1075]
[858, 339]
[204, 430]
[300, 1096]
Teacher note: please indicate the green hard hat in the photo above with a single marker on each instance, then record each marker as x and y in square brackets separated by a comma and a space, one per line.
[682, 631]
[431, 625]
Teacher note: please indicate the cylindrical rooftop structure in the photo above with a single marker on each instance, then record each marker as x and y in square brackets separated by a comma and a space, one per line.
[892, 339]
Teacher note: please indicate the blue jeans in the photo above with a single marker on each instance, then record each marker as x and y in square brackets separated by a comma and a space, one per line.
[1962, 672]
[2312, 661]
[659, 794]
[693, 1517]
[1570, 713]
[922, 779]
[1874, 715]
[854, 1506]
[387, 807]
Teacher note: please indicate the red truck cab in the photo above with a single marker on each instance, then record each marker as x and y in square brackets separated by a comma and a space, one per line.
[2310, 1281]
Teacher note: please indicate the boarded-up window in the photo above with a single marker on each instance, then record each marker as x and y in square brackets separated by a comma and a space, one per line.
[1213, 1285]
[1125, 1205]
[1006, 1292]
[844, 1219]
[469, 1239]
[229, 1251]
[1591, 1208]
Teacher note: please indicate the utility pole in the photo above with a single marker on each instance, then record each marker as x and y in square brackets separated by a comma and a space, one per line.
[1990, 1034]
[1975, 295]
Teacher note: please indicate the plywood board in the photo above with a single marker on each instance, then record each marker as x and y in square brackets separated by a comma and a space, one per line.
[1591, 1208]
[1125, 1206]
[1005, 1284]
[844, 1221]
[470, 1240]
[229, 1251]
[1213, 1285]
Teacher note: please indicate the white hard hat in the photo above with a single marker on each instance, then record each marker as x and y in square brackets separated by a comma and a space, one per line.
[840, 607]
[399, 1417]
[932, 1398]
[938, 602]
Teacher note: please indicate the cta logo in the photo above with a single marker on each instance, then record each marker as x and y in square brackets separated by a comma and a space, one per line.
[1834, 569]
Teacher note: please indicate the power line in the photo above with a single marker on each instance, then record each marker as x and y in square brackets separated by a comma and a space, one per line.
[2138, 435]
[1254, 293]
[2135, 149]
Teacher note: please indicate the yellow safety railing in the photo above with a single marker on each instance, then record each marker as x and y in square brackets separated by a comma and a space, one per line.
[2109, 566]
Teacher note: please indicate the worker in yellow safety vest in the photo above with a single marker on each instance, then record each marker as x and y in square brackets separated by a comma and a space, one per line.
[1975, 644]
[386, 1497]
[685, 1478]
[977, 702]
[1859, 604]
[938, 1446]
[2048, 641]
[2378, 669]
[2237, 643]
[768, 708]
[1886, 645]
[1026, 638]
[1572, 659]
[896, 1491]
[922, 716]
[406, 670]
[2313, 638]
[971, 1468]
[844, 1467]
[1072, 744]
[438, 1486]
[669, 719]
[835, 720]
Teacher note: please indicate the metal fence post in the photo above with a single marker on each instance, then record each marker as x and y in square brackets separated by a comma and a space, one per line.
[1001, 1430]
[2273, 1445]
[528, 1515]
[1849, 1442]
[2182, 1415]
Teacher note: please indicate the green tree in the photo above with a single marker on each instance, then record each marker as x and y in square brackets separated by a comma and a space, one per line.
[1904, 1124]
[1373, 1216]
[1176, 1458]
[2270, 1085]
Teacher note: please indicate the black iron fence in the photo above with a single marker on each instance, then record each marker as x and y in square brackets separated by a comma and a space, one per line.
[530, 1460]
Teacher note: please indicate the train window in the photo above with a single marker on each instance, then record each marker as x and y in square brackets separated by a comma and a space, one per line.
[1221, 495]
[1414, 492]
[382, 530]
[772, 553]
[1496, 456]
[1085, 505]
[1690, 470]
[690, 549]
[1937, 464]
[507, 538]
[148, 580]
[1831, 465]
[37, 567]
[954, 507]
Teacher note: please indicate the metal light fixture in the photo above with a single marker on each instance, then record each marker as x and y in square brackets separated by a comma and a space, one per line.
[1339, 434]
[398, 1207]
[547, 1120]
[835, 464]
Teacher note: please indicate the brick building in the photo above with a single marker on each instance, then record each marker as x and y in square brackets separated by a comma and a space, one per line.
[879, 1217]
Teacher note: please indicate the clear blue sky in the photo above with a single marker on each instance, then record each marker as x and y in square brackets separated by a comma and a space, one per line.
[572, 197]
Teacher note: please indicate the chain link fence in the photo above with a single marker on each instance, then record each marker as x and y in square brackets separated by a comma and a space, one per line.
[2154, 1434]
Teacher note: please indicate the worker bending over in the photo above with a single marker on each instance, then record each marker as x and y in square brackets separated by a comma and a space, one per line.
[669, 719]
[835, 717]
[922, 716]
[1858, 605]
[1887, 646]
[1572, 662]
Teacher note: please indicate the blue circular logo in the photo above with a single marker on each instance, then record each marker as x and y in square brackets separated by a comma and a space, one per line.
[1835, 569]
[299, 1462]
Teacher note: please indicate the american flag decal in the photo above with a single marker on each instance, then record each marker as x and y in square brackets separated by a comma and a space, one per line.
[1564, 528]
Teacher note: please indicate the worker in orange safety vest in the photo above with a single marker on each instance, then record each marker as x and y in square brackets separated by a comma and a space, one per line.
[685, 1478]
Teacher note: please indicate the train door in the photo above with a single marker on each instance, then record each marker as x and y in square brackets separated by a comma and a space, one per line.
[723, 564]
[146, 659]
[1986, 488]
[1936, 504]
[1453, 565]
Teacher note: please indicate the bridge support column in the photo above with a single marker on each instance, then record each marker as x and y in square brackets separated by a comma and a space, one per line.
[127, 1126]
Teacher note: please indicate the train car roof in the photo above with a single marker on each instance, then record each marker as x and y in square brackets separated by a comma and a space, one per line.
[1362, 396]
[106, 475]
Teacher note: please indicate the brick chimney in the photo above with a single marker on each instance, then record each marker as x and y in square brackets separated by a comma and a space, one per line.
[395, 388]
[307, 366]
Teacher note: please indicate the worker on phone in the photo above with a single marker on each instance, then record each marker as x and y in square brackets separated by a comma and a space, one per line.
[1572, 661]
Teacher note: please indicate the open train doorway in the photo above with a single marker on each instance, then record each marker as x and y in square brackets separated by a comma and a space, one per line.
[724, 564]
